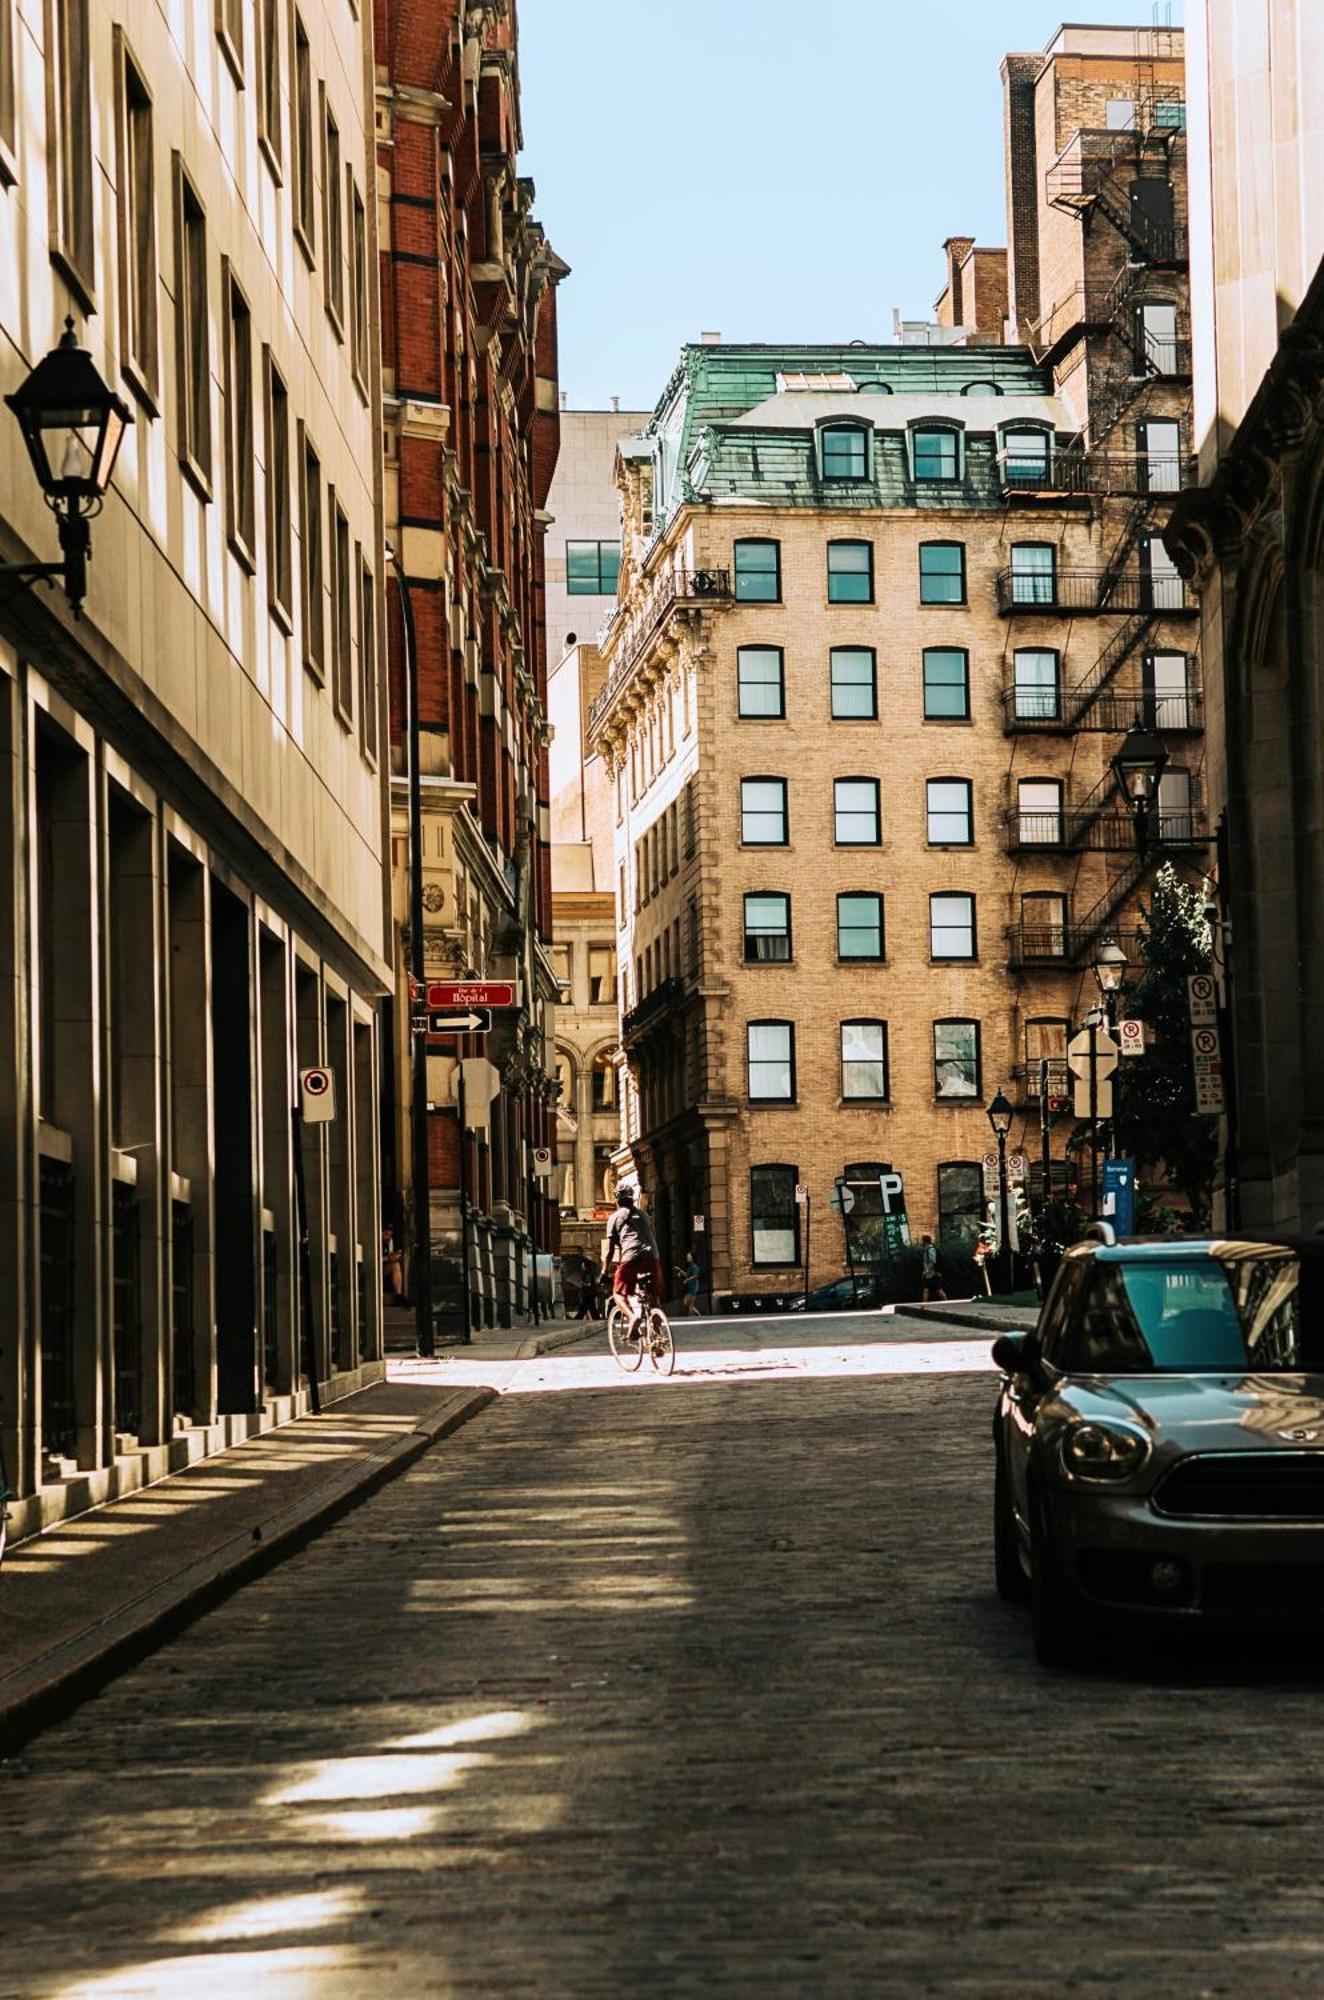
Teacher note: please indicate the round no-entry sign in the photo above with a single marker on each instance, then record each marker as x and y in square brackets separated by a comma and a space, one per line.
[317, 1096]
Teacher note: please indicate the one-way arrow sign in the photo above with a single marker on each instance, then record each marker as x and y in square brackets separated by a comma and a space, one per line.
[477, 1021]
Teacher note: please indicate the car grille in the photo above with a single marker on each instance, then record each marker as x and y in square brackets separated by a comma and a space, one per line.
[1248, 1485]
[1263, 1587]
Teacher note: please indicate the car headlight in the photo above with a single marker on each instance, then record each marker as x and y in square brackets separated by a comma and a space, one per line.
[1103, 1451]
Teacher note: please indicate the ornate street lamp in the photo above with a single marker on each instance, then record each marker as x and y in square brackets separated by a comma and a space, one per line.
[72, 425]
[1000, 1114]
[1110, 963]
[1137, 767]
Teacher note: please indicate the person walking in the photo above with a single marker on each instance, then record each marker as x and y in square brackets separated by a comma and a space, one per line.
[588, 1290]
[930, 1277]
[689, 1275]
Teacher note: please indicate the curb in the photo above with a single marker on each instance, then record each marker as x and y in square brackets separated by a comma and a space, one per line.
[982, 1322]
[547, 1343]
[48, 1688]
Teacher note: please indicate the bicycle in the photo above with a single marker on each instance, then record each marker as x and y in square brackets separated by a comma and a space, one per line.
[650, 1333]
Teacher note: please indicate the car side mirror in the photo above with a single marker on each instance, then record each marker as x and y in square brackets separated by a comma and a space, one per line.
[1019, 1354]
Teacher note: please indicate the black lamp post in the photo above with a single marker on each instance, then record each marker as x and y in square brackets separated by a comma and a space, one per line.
[72, 425]
[1110, 963]
[1137, 767]
[1000, 1114]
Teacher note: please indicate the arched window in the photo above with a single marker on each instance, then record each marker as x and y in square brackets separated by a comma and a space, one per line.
[982, 389]
[774, 1215]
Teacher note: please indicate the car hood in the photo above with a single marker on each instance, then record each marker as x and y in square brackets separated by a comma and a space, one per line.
[1209, 1412]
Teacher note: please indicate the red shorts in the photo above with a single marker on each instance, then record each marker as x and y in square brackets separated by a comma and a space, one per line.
[631, 1269]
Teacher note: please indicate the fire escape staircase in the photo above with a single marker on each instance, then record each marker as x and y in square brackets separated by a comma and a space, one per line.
[1097, 922]
[1080, 699]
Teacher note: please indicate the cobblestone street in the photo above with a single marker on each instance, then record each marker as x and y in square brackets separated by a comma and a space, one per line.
[672, 1688]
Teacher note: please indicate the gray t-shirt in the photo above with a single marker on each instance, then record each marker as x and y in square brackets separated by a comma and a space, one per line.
[631, 1233]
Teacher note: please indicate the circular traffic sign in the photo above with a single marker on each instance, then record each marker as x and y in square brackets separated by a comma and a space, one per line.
[317, 1082]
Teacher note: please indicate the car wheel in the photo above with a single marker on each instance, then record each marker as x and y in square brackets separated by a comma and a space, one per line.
[1059, 1640]
[1008, 1571]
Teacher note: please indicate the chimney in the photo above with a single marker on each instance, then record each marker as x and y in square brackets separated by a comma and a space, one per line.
[1020, 74]
[616, 406]
[710, 339]
[565, 399]
[958, 248]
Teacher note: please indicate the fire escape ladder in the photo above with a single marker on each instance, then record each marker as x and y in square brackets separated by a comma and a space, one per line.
[1081, 698]
[1084, 817]
[1126, 541]
[1096, 922]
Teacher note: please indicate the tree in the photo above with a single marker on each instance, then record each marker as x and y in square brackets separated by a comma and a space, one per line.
[1156, 1121]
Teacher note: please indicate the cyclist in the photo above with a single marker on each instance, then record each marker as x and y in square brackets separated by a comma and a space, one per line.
[630, 1236]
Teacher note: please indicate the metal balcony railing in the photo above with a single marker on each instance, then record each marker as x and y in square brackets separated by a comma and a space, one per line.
[1088, 590]
[631, 628]
[1074, 830]
[653, 1005]
[1048, 710]
[1056, 945]
[1096, 472]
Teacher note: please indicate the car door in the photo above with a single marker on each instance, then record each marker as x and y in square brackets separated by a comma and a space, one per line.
[1024, 1393]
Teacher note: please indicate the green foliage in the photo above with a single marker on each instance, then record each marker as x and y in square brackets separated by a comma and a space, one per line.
[1156, 1120]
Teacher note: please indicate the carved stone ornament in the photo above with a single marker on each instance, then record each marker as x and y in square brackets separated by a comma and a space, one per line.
[434, 896]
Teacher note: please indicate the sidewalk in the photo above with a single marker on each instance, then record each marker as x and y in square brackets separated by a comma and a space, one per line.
[984, 1315]
[80, 1602]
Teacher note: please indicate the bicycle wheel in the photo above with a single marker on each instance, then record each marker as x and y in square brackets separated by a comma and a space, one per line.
[627, 1347]
[661, 1344]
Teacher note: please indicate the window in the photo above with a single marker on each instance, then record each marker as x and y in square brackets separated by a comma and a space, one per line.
[864, 1060]
[942, 572]
[269, 82]
[771, 1046]
[960, 1203]
[280, 590]
[850, 572]
[845, 452]
[1158, 447]
[191, 321]
[592, 569]
[774, 1215]
[937, 455]
[1167, 691]
[333, 219]
[1162, 586]
[1176, 821]
[763, 815]
[342, 662]
[314, 575]
[1033, 573]
[1036, 685]
[950, 812]
[358, 247]
[760, 681]
[1121, 114]
[230, 34]
[1025, 458]
[367, 659]
[301, 111]
[955, 1059]
[952, 926]
[601, 975]
[860, 926]
[71, 115]
[240, 442]
[767, 929]
[854, 692]
[1039, 812]
[982, 389]
[602, 1090]
[946, 684]
[1170, 114]
[758, 572]
[1046, 1042]
[1156, 336]
[8, 97]
[137, 224]
[857, 813]
[1043, 925]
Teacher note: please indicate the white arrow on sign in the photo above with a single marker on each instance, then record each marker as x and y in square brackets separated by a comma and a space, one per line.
[1095, 1045]
[459, 1024]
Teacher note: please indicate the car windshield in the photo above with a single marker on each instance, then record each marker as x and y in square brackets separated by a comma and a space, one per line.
[1242, 1306]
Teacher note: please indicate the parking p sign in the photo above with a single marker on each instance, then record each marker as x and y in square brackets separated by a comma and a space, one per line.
[317, 1096]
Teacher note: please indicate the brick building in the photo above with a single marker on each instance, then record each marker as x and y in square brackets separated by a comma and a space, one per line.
[471, 422]
[193, 828]
[886, 614]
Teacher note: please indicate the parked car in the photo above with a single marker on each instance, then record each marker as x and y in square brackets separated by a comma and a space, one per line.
[1159, 1440]
[841, 1295]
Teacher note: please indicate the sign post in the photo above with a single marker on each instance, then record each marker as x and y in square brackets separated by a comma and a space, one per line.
[802, 1197]
[1093, 1055]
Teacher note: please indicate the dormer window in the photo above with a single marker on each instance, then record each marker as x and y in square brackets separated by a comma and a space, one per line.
[937, 454]
[845, 450]
[1025, 457]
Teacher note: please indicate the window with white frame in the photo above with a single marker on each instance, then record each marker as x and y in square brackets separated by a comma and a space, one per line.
[952, 926]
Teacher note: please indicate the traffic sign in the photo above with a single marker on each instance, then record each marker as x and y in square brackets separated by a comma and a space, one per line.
[1206, 1052]
[317, 1096]
[842, 1199]
[446, 994]
[1103, 1095]
[700, 1224]
[1092, 1045]
[477, 1021]
[1131, 1037]
[1202, 999]
[1018, 1169]
[989, 1163]
[801, 1193]
[542, 1161]
[1209, 1095]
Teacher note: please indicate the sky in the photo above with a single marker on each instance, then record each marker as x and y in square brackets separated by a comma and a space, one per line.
[764, 169]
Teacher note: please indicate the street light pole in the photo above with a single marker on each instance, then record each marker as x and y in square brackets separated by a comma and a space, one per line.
[1000, 1114]
[420, 1270]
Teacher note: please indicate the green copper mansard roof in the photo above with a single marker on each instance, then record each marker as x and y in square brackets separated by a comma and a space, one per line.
[740, 422]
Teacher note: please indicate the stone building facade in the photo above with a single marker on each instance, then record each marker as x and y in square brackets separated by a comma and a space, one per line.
[1252, 541]
[192, 841]
[471, 420]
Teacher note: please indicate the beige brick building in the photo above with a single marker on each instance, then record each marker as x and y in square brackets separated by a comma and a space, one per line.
[886, 614]
[192, 892]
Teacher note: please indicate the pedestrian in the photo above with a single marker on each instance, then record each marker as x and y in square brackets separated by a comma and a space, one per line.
[393, 1271]
[688, 1273]
[588, 1290]
[931, 1278]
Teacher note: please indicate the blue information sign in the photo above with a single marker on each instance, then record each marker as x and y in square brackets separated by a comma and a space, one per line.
[1119, 1195]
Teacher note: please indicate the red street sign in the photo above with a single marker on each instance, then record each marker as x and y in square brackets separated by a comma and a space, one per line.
[446, 994]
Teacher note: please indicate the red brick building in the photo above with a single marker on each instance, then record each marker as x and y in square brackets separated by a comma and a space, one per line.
[469, 377]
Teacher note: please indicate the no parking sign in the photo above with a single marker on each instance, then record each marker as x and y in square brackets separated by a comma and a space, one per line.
[317, 1096]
